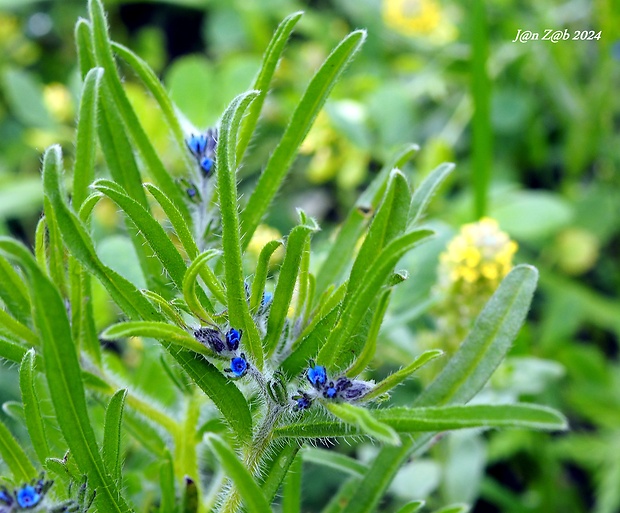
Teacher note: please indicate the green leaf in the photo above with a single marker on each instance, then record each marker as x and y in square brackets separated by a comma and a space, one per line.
[105, 59]
[13, 292]
[263, 79]
[111, 449]
[412, 507]
[399, 376]
[14, 457]
[335, 460]
[453, 508]
[370, 346]
[199, 266]
[276, 466]
[153, 232]
[79, 243]
[310, 344]
[238, 309]
[166, 484]
[487, 343]
[260, 275]
[252, 495]
[388, 223]
[85, 147]
[12, 351]
[522, 416]
[341, 340]
[34, 419]
[424, 193]
[309, 106]
[363, 419]
[64, 376]
[177, 220]
[158, 330]
[155, 87]
[16, 330]
[291, 489]
[55, 250]
[286, 285]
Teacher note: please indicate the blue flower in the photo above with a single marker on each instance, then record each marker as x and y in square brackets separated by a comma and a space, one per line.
[317, 376]
[5, 497]
[233, 337]
[197, 144]
[302, 401]
[28, 496]
[238, 366]
[210, 338]
[206, 164]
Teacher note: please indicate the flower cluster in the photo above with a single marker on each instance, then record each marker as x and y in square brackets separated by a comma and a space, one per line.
[342, 389]
[470, 269]
[202, 147]
[226, 344]
[32, 497]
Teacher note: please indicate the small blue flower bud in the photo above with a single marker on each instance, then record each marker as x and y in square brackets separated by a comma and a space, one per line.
[197, 144]
[302, 401]
[210, 338]
[238, 366]
[5, 497]
[317, 376]
[356, 390]
[330, 391]
[28, 497]
[206, 164]
[233, 337]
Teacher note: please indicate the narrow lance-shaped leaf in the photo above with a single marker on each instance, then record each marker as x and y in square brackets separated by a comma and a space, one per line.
[155, 87]
[335, 460]
[309, 106]
[15, 457]
[238, 309]
[34, 419]
[199, 267]
[276, 466]
[79, 243]
[291, 489]
[424, 193]
[16, 330]
[370, 346]
[363, 419]
[401, 375]
[63, 373]
[105, 59]
[155, 235]
[489, 341]
[85, 147]
[158, 330]
[286, 285]
[340, 339]
[260, 276]
[263, 79]
[13, 292]
[250, 492]
[389, 222]
[342, 249]
[55, 250]
[111, 449]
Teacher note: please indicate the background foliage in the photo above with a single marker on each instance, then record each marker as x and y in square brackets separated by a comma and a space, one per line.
[536, 143]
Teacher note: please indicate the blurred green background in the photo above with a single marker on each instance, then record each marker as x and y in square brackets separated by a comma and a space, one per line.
[534, 129]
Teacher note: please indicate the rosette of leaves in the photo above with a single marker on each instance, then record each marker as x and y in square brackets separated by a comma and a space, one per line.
[248, 424]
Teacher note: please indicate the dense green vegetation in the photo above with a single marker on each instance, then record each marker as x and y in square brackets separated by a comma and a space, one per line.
[118, 243]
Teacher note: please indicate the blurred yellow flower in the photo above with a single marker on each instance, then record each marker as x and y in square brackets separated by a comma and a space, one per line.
[412, 17]
[262, 236]
[471, 268]
[58, 101]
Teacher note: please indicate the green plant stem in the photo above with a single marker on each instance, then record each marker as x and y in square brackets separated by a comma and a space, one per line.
[185, 442]
[254, 453]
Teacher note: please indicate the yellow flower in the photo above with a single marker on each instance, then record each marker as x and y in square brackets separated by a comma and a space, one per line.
[262, 236]
[412, 17]
[471, 268]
